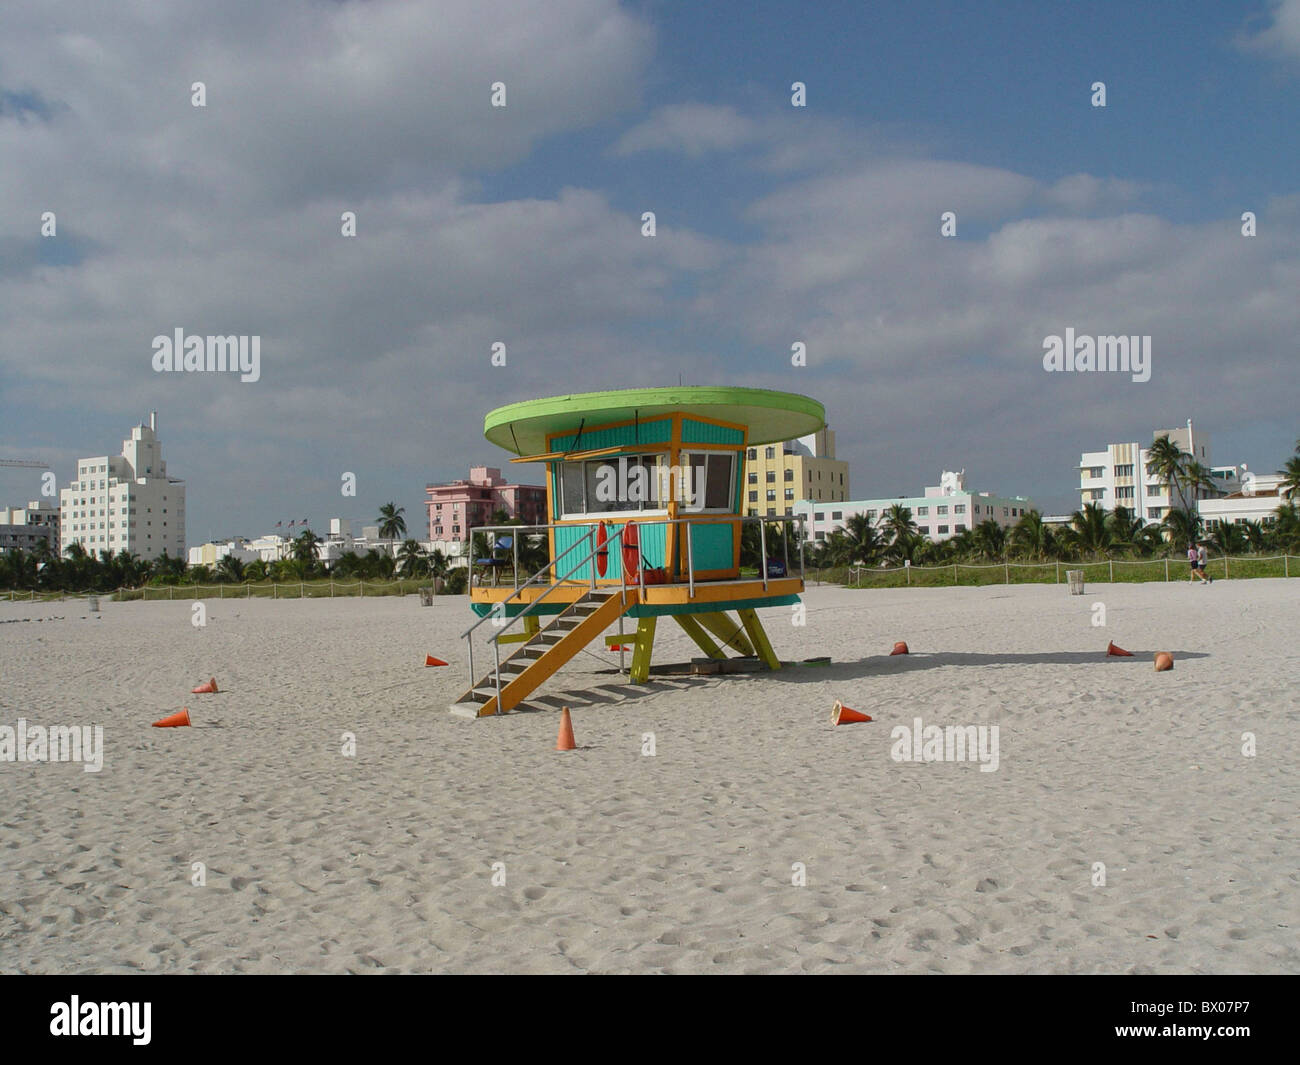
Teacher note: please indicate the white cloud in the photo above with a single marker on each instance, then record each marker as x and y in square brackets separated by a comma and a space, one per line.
[1281, 37]
[692, 129]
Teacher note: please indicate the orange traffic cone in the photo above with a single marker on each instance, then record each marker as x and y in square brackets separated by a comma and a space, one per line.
[1117, 652]
[429, 660]
[207, 688]
[177, 720]
[843, 715]
[564, 741]
[900, 648]
[1164, 660]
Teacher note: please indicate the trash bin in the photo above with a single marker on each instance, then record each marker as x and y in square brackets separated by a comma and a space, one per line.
[92, 604]
[1075, 577]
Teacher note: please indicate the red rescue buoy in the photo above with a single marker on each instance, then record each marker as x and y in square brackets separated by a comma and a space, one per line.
[602, 548]
[631, 552]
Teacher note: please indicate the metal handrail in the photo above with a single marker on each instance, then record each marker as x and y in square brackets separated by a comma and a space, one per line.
[467, 635]
[536, 576]
[592, 554]
[496, 640]
[530, 609]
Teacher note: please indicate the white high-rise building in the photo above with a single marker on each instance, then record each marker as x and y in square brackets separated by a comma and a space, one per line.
[126, 502]
[1118, 476]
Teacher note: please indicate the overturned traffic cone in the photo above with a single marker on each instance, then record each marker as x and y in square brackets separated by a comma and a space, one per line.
[900, 648]
[429, 660]
[1164, 660]
[208, 687]
[1117, 652]
[844, 715]
[564, 741]
[177, 720]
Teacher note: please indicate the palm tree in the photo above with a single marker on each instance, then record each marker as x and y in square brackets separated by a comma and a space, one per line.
[392, 526]
[905, 546]
[862, 540]
[230, 568]
[1089, 531]
[1290, 474]
[1228, 538]
[438, 563]
[1255, 535]
[1182, 526]
[1125, 528]
[1150, 539]
[304, 547]
[1286, 525]
[989, 539]
[898, 522]
[1179, 471]
[1032, 537]
[411, 559]
[1168, 461]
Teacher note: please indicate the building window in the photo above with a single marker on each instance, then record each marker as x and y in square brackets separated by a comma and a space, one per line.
[943, 530]
[789, 494]
[752, 454]
[819, 515]
[961, 528]
[753, 478]
[789, 474]
[959, 508]
[770, 478]
[771, 512]
[941, 510]
[1124, 471]
[753, 497]
[771, 495]
[771, 453]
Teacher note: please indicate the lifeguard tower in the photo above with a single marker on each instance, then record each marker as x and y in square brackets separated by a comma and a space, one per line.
[645, 491]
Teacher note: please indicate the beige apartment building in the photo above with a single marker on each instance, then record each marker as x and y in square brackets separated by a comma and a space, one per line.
[777, 476]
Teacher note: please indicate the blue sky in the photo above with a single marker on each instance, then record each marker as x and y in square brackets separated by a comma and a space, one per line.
[776, 224]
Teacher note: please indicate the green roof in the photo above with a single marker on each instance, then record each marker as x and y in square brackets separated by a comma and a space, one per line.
[770, 416]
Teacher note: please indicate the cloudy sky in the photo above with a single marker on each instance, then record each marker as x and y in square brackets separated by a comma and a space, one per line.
[522, 224]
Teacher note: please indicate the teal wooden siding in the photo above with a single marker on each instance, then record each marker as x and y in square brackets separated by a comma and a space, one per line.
[653, 539]
[711, 545]
[694, 432]
[654, 432]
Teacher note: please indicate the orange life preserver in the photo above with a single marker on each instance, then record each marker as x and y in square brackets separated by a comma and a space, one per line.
[631, 551]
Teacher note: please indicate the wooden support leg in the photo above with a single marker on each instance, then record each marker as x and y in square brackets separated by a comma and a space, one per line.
[645, 640]
[759, 638]
[696, 632]
[531, 625]
[726, 630]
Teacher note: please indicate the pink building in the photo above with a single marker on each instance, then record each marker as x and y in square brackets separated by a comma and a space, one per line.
[458, 506]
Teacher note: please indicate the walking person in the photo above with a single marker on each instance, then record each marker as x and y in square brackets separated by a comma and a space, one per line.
[1203, 557]
[1192, 560]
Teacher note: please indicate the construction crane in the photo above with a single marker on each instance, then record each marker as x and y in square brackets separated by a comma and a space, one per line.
[24, 462]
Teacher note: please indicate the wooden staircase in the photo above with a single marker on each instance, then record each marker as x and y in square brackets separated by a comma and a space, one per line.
[538, 658]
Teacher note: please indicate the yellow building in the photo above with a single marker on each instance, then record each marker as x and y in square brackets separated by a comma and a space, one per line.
[777, 476]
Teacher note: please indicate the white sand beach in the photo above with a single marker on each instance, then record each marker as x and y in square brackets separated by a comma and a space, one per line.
[618, 862]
